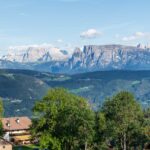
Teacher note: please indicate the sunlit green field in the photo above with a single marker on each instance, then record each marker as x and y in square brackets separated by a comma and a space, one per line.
[29, 147]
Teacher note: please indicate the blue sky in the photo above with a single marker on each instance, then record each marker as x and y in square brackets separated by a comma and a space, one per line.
[70, 23]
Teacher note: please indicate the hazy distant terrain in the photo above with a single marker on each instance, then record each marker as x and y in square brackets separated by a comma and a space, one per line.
[90, 58]
[21, 88]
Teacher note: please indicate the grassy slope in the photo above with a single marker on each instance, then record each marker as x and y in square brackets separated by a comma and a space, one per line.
[30, 147]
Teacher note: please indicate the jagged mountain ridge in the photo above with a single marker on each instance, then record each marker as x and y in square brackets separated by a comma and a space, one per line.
[34, 54]
[108, 57]
[91, 58]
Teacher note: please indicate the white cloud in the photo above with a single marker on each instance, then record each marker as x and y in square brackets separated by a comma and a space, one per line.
[136, 36]
[60, 41]
[90, 33]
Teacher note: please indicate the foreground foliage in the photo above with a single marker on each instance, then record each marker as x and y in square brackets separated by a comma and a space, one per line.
[64, 121]
[124, 121]
[1, 115]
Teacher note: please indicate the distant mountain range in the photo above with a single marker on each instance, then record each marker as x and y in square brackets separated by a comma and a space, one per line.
[91, 58]
[35, 54]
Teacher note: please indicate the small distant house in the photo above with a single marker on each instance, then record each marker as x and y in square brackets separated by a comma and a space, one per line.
[17, 129]
[5, 145]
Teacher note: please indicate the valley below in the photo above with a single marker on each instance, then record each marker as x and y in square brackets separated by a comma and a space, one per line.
[20, 89]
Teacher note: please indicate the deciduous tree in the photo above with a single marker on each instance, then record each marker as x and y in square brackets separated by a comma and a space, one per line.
[63, 121]
[124, 119]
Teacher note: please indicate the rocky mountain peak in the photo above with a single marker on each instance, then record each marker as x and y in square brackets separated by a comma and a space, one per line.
[36, 54]
[91, 58]
[77, 50]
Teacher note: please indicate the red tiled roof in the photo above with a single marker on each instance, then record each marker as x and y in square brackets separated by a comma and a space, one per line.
[23, 123]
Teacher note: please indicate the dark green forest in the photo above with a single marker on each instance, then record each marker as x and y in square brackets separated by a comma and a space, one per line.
[20, 89]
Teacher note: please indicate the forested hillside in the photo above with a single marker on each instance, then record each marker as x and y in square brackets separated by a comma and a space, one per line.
[19, 89]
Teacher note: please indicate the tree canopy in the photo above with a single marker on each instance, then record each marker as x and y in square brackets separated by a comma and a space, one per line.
[124, 120]
[65, 121]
